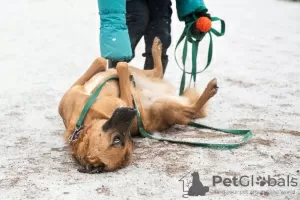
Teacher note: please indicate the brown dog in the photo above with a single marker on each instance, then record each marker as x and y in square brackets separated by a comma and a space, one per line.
[105, 142]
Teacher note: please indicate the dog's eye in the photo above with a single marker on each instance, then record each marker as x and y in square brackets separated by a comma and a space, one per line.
[117, 140]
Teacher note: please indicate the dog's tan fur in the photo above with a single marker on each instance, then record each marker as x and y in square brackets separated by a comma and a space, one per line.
[157, 102]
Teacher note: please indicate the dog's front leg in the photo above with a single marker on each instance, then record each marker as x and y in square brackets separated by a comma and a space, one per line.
[98, 65]
[124, 83]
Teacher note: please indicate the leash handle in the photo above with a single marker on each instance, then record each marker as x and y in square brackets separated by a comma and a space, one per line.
[195, 40]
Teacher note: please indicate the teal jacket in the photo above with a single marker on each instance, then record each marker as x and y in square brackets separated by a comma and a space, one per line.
[187, 7]
[114, 37]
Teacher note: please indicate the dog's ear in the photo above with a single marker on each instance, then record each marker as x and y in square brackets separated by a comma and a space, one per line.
[108, 125]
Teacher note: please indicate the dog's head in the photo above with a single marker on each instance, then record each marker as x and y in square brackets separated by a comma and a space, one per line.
[109, 142]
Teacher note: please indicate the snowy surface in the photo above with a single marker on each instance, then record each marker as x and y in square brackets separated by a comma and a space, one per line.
[46, 44]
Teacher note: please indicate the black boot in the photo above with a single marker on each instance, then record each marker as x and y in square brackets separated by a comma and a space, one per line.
[112, 63]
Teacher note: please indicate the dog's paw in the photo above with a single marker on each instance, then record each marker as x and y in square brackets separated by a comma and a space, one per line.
[123, 70]
[212, 88]
[156, 47]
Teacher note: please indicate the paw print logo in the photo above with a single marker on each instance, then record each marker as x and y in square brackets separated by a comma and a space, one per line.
[261, 181]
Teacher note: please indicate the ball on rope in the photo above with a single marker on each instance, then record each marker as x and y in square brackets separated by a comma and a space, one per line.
[203, 24]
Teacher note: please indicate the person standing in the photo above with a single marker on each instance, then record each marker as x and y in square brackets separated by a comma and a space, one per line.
[149, 18]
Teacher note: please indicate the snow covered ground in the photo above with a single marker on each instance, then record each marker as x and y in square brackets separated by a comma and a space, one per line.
[45, 45]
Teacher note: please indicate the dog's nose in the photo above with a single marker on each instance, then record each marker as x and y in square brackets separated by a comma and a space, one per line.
[121, 119]
[132, 110]
[126, 111]
[125, 108]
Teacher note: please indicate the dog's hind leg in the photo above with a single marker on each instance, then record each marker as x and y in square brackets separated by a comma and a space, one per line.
[193, 95]
[98, 65]
[124, 83]
[169, 111]
[156, 54]
[157, 71]
[166, 112]
[210, 90]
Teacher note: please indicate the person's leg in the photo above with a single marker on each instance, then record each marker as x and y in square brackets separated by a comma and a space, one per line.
[137, 19]
[159, 26]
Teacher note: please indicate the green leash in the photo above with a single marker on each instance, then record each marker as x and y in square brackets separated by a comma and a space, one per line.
[87, 106]
[195, 39]
[246, 133]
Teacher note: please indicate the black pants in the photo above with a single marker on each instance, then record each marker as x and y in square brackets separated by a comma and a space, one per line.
[149, 18]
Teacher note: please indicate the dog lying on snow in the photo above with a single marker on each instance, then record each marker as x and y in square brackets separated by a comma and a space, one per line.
[105, 144]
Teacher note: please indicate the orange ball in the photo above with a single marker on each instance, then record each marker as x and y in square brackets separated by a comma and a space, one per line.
[203, 24]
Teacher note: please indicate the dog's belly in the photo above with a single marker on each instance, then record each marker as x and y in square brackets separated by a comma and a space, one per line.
[150, 90]
[153, 90]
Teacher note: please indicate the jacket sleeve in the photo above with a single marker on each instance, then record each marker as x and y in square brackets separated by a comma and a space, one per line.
[114, 37]
[187, 7]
